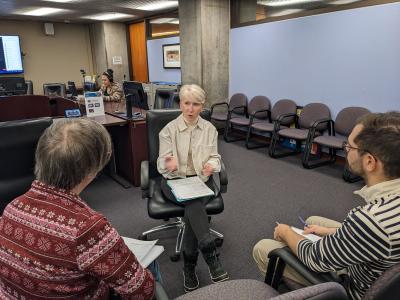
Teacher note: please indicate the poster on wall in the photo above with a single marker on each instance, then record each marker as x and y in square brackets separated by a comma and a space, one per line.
[172, 56]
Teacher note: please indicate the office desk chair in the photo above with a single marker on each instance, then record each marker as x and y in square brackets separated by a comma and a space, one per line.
[386, 287]
[158, 206]
[17, 150]
[55, 89]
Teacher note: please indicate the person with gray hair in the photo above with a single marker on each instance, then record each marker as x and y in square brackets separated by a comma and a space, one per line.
[52, 244]
[188, 147]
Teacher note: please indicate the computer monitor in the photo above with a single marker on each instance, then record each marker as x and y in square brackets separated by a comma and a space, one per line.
[12, 86]
[134, 92]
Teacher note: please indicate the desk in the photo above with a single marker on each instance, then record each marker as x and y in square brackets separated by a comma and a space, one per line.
[130, 143]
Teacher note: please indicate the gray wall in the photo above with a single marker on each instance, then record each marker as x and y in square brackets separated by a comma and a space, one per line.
[345, 58]
[109, 39]
[155, 61]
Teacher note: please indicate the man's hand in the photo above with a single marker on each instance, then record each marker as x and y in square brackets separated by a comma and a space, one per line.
[281, 231]
[171, 163]
[208, 169]
[319, 230]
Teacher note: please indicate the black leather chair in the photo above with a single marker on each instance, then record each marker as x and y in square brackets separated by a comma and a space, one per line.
[157, 206]
[166, 99]
[17, 152]
[55, 89]
[386, 287]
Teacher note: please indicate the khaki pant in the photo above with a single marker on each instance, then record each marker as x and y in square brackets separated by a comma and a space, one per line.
[264, 247]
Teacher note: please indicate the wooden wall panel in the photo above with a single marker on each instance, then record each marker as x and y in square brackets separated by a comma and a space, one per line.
[137, 34]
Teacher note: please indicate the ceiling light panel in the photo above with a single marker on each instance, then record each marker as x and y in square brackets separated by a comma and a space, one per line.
[44, 11]
[277, 3]
[157, 5]
[108, 16]
[59, 1]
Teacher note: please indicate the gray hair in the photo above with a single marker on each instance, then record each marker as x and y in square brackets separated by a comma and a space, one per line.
[194, 92]
[70, 150]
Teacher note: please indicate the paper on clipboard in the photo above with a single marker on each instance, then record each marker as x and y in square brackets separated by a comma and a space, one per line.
[189, 188]
[145, 251]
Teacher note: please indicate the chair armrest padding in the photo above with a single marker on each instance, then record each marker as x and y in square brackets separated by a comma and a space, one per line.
[323, 291]
[223, 178]
[144, 175]
[292, 260]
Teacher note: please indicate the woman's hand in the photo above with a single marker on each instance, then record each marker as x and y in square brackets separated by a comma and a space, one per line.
[208, 169]
[319, 230]
[171, 163]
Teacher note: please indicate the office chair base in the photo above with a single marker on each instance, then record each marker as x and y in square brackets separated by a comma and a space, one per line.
[180, 225]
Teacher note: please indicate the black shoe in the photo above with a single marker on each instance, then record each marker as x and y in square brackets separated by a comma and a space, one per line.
[208, 249]
[190, 279]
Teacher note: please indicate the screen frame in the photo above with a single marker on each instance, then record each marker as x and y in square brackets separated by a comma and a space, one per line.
[20, 53]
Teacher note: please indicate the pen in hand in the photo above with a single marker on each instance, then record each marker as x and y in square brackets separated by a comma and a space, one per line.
[303, 222]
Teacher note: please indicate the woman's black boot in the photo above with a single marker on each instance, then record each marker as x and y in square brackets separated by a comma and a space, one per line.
[209, 251]
[190, 279]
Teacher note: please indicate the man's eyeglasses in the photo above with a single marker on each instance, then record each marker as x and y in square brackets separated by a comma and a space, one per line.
[347, 147]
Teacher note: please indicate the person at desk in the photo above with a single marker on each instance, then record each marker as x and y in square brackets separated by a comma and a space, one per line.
[52, 244]
[112, 91]
[367, 242]
[188, 147]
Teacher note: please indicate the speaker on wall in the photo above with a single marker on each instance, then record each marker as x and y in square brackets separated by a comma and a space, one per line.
[49, 28]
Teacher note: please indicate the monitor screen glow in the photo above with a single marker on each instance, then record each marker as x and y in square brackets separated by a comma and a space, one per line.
[10, 55]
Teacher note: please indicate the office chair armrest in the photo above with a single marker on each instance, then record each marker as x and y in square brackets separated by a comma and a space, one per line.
[314, 128]
[287, 257]
[285, 116]
[144, 175]
[223, 178]
[253, 115]
[219, 104]
[160, 293]
[326, 290]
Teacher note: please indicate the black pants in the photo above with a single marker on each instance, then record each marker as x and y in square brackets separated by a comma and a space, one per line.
[196, 219]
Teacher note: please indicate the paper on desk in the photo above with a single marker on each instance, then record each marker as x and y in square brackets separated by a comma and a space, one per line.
[145, 251]
[311, 237]
[189, 188]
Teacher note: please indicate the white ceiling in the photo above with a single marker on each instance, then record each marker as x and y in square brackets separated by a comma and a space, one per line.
[74, 10]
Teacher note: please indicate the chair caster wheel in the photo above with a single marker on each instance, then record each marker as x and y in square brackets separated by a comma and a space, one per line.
[175, 257]
[209, 219]
[218, 242]
[142, 237]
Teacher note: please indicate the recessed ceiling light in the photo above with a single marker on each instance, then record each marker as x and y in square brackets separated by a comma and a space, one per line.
[108, 16]
[158, 5]
[165, 20]
[339, 2]
[275, 3]
[59, 1]
[42, 11]
[285, 12]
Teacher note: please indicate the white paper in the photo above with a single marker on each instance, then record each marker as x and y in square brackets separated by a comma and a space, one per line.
[145, 251]
[94, 104]
[311, 237]
[117, 60]
[189, 188]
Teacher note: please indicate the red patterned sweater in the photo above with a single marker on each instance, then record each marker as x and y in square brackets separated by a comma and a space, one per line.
[54, 246]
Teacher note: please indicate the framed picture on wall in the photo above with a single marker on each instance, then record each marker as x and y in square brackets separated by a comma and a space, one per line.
[172, 56]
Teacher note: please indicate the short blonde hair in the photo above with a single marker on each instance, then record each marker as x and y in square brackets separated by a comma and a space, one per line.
[194, 92]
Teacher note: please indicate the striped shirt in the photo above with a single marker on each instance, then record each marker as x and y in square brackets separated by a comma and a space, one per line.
[54, 246]
[367, 244]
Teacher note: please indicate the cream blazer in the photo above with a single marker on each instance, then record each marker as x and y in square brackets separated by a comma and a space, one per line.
[175, 140]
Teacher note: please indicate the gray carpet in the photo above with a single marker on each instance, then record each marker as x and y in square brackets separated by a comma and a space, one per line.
[261, 191]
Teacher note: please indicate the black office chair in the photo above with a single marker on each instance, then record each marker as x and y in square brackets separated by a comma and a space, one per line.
[72, 92]
[164, 99]
[158, 206]
[17, 152]
[386, 287]
[55, 89]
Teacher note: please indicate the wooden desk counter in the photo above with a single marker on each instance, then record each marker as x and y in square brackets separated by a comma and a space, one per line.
[130, 142]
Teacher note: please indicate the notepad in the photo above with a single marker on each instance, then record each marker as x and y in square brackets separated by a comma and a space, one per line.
[310, 236]
[145, 251]
[189, 188]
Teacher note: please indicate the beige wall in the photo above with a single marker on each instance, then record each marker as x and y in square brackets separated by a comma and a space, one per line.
[55, 58]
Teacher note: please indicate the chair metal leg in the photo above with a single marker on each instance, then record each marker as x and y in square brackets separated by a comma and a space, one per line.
[320, 162]
[218, 234]
[173, 225]
[272, 148]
